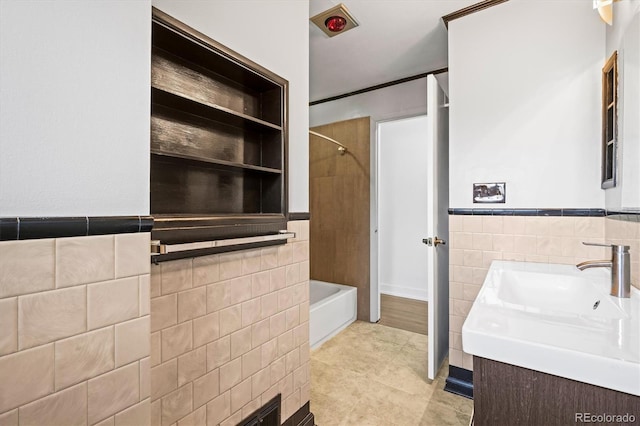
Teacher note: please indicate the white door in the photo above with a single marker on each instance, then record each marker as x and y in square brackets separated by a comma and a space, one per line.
[438, 228]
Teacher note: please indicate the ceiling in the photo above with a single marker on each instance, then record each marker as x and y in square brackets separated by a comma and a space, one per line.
[395, 39]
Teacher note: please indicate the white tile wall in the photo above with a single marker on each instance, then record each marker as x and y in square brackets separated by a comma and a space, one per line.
[477, 240]
[230, 331]
[74, 347]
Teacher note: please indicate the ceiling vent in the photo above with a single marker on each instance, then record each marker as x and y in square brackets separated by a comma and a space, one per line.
[334, 21]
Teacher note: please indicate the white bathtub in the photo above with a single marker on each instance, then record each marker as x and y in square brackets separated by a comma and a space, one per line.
[332, 309]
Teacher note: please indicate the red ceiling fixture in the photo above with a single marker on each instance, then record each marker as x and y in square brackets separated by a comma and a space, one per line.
[334, 21]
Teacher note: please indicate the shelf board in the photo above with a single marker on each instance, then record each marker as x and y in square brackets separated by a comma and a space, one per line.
[217, 162]
[208, 110]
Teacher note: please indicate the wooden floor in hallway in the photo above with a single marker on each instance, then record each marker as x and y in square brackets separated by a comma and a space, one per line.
[371, 375]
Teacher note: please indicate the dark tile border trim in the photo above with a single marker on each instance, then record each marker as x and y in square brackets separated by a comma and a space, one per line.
[30, 228]
[459, 382]
[299, 215]
[539, 212]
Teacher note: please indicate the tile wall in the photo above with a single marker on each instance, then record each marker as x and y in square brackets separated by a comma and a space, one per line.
[627, 233]
[229, 332]
[75, 324]
[477, 240]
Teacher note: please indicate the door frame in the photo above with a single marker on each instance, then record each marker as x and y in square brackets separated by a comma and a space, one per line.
[434, 309]
[374, 199]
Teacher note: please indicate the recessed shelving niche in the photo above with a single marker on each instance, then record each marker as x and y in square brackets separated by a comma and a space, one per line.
[218, 139]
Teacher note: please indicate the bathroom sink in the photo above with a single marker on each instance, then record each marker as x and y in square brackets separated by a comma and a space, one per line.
[558, 320]
[553, 294]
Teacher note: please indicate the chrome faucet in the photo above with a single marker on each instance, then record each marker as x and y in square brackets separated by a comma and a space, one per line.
[620, 265]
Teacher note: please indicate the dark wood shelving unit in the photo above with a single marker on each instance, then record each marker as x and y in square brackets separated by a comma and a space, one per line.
[218, 139]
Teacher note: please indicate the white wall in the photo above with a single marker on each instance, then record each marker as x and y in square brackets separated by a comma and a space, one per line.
[74, 107]
[524, 88]
[402, 211]
[275, 34]
[402, 100]
[624, 36]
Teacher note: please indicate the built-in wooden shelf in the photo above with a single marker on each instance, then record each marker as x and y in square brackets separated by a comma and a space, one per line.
[218, 139]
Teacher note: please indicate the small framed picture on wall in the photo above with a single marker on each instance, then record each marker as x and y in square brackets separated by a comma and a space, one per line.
[489, 192]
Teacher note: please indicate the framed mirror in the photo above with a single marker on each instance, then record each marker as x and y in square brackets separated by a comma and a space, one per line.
[609, 121]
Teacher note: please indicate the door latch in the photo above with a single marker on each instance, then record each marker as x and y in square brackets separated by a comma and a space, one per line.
[433, 242]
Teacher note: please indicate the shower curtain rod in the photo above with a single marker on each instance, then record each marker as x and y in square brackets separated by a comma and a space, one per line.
[343, 149]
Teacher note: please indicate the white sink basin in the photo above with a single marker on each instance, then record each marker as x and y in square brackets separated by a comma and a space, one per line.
[558, 320]
[563, 295]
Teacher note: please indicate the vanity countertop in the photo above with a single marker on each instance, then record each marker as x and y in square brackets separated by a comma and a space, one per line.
[558, 320]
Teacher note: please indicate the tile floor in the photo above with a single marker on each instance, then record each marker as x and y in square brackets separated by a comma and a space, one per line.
[371, 375]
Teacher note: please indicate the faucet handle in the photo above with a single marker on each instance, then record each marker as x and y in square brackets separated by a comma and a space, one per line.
[615, 247]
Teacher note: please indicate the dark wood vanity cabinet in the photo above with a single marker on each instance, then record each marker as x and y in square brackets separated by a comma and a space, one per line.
[505, 394]
[218, 139]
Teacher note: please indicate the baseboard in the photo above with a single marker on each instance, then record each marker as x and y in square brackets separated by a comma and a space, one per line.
[460, 382]
[406, 292]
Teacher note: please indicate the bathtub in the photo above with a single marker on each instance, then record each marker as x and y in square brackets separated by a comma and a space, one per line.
[332, 308]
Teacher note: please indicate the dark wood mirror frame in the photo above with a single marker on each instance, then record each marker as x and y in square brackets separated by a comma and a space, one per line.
[610, 122]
